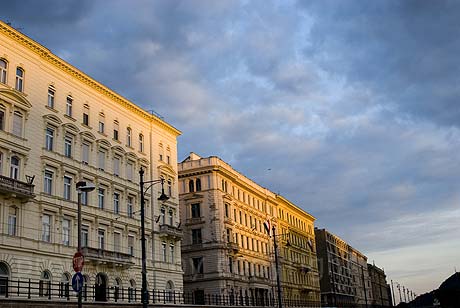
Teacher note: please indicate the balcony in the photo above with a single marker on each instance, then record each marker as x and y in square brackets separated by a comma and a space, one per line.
[258, 280]
[233, 247]
[194, 221]
[102, 256]
[20, 189]
[171, 232]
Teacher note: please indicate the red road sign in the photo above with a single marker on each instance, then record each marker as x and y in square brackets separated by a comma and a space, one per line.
[78, 262]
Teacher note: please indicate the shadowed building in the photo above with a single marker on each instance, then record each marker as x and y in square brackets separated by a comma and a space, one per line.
[380, 289]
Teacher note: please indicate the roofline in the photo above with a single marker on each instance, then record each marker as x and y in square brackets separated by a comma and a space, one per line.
[59, 63]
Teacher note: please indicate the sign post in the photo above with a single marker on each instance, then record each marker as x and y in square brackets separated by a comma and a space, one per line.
[77, 282]
[78, 261]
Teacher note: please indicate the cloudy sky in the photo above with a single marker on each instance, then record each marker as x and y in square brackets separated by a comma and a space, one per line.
[348, 108]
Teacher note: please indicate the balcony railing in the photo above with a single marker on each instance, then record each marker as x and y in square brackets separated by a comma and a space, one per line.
[170, 232]
[12, 186]
[105, 256]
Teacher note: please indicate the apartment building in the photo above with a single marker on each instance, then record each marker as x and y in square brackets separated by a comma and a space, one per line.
[362, 288]
[380, 287]
[59, 126]
[226, 250]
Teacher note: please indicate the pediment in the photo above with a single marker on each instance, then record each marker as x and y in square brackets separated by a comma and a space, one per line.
[166, 169]
[14, 97]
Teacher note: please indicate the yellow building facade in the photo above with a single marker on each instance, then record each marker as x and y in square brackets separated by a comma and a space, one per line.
[226, 250]
[59, 126]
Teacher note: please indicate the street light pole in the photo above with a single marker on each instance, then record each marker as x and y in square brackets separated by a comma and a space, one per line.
[393, 293]
[81, 187]
[278, 284]
[163, 197]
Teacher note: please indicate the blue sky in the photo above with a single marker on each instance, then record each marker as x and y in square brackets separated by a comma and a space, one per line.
[347, 108]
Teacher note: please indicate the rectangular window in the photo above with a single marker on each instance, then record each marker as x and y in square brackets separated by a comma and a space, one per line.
[226, 209]
[51, 97]
[84, 197]
[129, 170]
[49, 139]
[197, 265]
[67, 187]
[85, 153]
[115, 134]
[68, 140]
[101, 159]
[100, 198]
[131, 245]
[101, 239]
[171, 253]
[48, 182]
[196, 212]
[101, 127]
[68, 106]
[17, 124]
[116, 241]
[12, 221]
[130, 206]
[66, 232]
[163, 251]
[230, 265]
[19, 79]
[86, 119]
[196, 236]
[84, 236]
[46, 228]
[141, 143]
[168, 159]
[116, 203]
[116, 166]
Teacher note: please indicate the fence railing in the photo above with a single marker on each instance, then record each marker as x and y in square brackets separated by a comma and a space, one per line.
[62, 291]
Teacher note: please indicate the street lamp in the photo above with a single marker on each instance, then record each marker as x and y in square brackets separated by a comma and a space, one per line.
[82, 187]
[163, 197]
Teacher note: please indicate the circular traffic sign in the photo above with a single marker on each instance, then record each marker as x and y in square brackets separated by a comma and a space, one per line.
[78, 261]
[77, 282]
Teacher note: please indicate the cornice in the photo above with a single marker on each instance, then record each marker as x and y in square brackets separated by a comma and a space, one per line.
[51, 58]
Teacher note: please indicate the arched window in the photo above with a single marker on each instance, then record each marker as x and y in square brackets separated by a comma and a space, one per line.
[132, 291]
[64, 285]
[3, 70]
[198, 185]
[19, 79]
[44, 289]
[84, 290]
[191, 186]
[169, 291]
[14, 167]
[128, 137]
[4, 277]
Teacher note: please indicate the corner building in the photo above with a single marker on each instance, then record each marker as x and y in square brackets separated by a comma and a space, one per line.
[226, 251]
[59, 126]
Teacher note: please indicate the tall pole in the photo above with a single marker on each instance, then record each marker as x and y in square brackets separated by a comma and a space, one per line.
[278, 284]
[404, 292]
[80, 302]
[399, 290]
[393, 293]
[144, 292]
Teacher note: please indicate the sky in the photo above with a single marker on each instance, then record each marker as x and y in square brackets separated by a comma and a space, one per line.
[347, 108]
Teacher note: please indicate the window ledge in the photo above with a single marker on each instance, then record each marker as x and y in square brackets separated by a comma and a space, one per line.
[70, 118]
[102, 133]
[51, 109]
[116, 140]
[87, 126]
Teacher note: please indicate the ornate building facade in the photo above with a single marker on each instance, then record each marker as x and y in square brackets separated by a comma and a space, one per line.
[59, 126]
[226, 249]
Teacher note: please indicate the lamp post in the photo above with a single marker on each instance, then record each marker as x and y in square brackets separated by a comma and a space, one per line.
[82, 187]
[278, 284]
[163, 197]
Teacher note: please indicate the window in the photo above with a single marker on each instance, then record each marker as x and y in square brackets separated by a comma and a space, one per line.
[85, 153]
[170, 215]
[48, 182]
[116, 203]
[49, 138]
[44, 289]
[84, 236]
[84, 197]
[163, 251]
[196, 213]
[198, 185]
[66, 232]
[226, 209]
[46, 228]
[168, 159]
[100, 198]
[14, 167]
[171, 253]
[101, 159]
[197, 265]
[2, 117]
[141, 143]
[169, 188]
[17, 123]
[196, 236]
[161, 157]
[67, 187]
[131, 245]
[3, 70]
[116, 166]
[68, 140]
[116, 241]
[128, 137]
[51, 92]
[12, 220]
[115, 130]
[129, 170]
[4, 277]
[19, 79]
[162, 215]
[101, 239]
[68, 106]
[191, 186]
[101, 128]
[130, 206]
[86, 115]
[230, 265]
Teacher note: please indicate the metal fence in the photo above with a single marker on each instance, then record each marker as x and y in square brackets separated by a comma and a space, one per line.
[62, 291]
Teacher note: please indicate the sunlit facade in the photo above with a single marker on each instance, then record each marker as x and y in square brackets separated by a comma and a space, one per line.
[59, 126]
